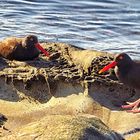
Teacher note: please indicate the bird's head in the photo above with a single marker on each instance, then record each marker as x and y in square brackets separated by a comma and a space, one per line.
[121, 60]
[31, 41]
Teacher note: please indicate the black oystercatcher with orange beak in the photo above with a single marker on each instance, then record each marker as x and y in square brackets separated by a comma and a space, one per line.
[21, 48]
[128, 72]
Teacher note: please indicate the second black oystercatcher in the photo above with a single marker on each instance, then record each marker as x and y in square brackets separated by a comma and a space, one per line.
[128, 72]
[21, 48]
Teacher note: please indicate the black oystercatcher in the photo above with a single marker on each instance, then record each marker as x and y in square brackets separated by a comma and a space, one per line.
[21, 48]
[128, 72]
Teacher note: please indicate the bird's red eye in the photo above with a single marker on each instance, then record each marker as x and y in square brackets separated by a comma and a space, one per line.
[31, 39]
[121, 57]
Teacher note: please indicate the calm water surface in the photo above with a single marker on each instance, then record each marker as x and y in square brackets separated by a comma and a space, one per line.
[109, 25]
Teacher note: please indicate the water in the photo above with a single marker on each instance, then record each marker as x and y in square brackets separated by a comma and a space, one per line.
[108, 25]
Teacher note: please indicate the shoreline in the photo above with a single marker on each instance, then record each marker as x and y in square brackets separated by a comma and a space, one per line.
[67, 84]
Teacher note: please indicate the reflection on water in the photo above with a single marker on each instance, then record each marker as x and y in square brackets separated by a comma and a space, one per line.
[110, 25]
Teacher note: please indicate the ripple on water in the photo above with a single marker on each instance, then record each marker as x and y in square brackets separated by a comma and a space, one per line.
[110, 25]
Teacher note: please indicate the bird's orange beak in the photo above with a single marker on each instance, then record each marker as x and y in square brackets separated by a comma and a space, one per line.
[37, 45]
[111, 65]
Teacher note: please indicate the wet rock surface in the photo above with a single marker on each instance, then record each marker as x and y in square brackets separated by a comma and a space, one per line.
[29, 88]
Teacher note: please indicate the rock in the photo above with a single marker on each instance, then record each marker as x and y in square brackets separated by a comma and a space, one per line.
[60, 77]
[88, 78]
[65, 127]
[54, 56]
[75, 77]
[74, 70]
[51, 92]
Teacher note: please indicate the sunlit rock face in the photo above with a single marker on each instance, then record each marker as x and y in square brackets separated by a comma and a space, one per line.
[59, 97]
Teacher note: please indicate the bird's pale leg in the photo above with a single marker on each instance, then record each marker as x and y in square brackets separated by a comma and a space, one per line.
[134, 111]
[133, 105]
